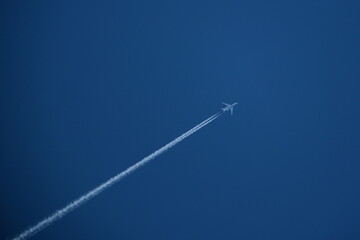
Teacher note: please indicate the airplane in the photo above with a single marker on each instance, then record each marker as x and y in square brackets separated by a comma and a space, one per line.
[229, 107]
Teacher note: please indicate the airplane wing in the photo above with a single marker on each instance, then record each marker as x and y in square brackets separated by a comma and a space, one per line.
[226, 104]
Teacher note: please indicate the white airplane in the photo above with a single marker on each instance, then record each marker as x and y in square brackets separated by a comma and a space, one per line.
[229, 107]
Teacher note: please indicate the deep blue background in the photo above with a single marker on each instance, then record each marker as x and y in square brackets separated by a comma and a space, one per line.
[89, 88]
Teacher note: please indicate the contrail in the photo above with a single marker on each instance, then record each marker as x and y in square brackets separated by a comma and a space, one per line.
[91, 194]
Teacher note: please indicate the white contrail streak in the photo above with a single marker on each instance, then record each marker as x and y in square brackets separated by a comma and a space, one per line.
[80, 201]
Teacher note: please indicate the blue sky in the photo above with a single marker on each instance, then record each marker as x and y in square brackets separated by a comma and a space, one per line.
[89, 88]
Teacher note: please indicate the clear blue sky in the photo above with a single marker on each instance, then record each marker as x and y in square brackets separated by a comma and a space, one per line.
[88, 88]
